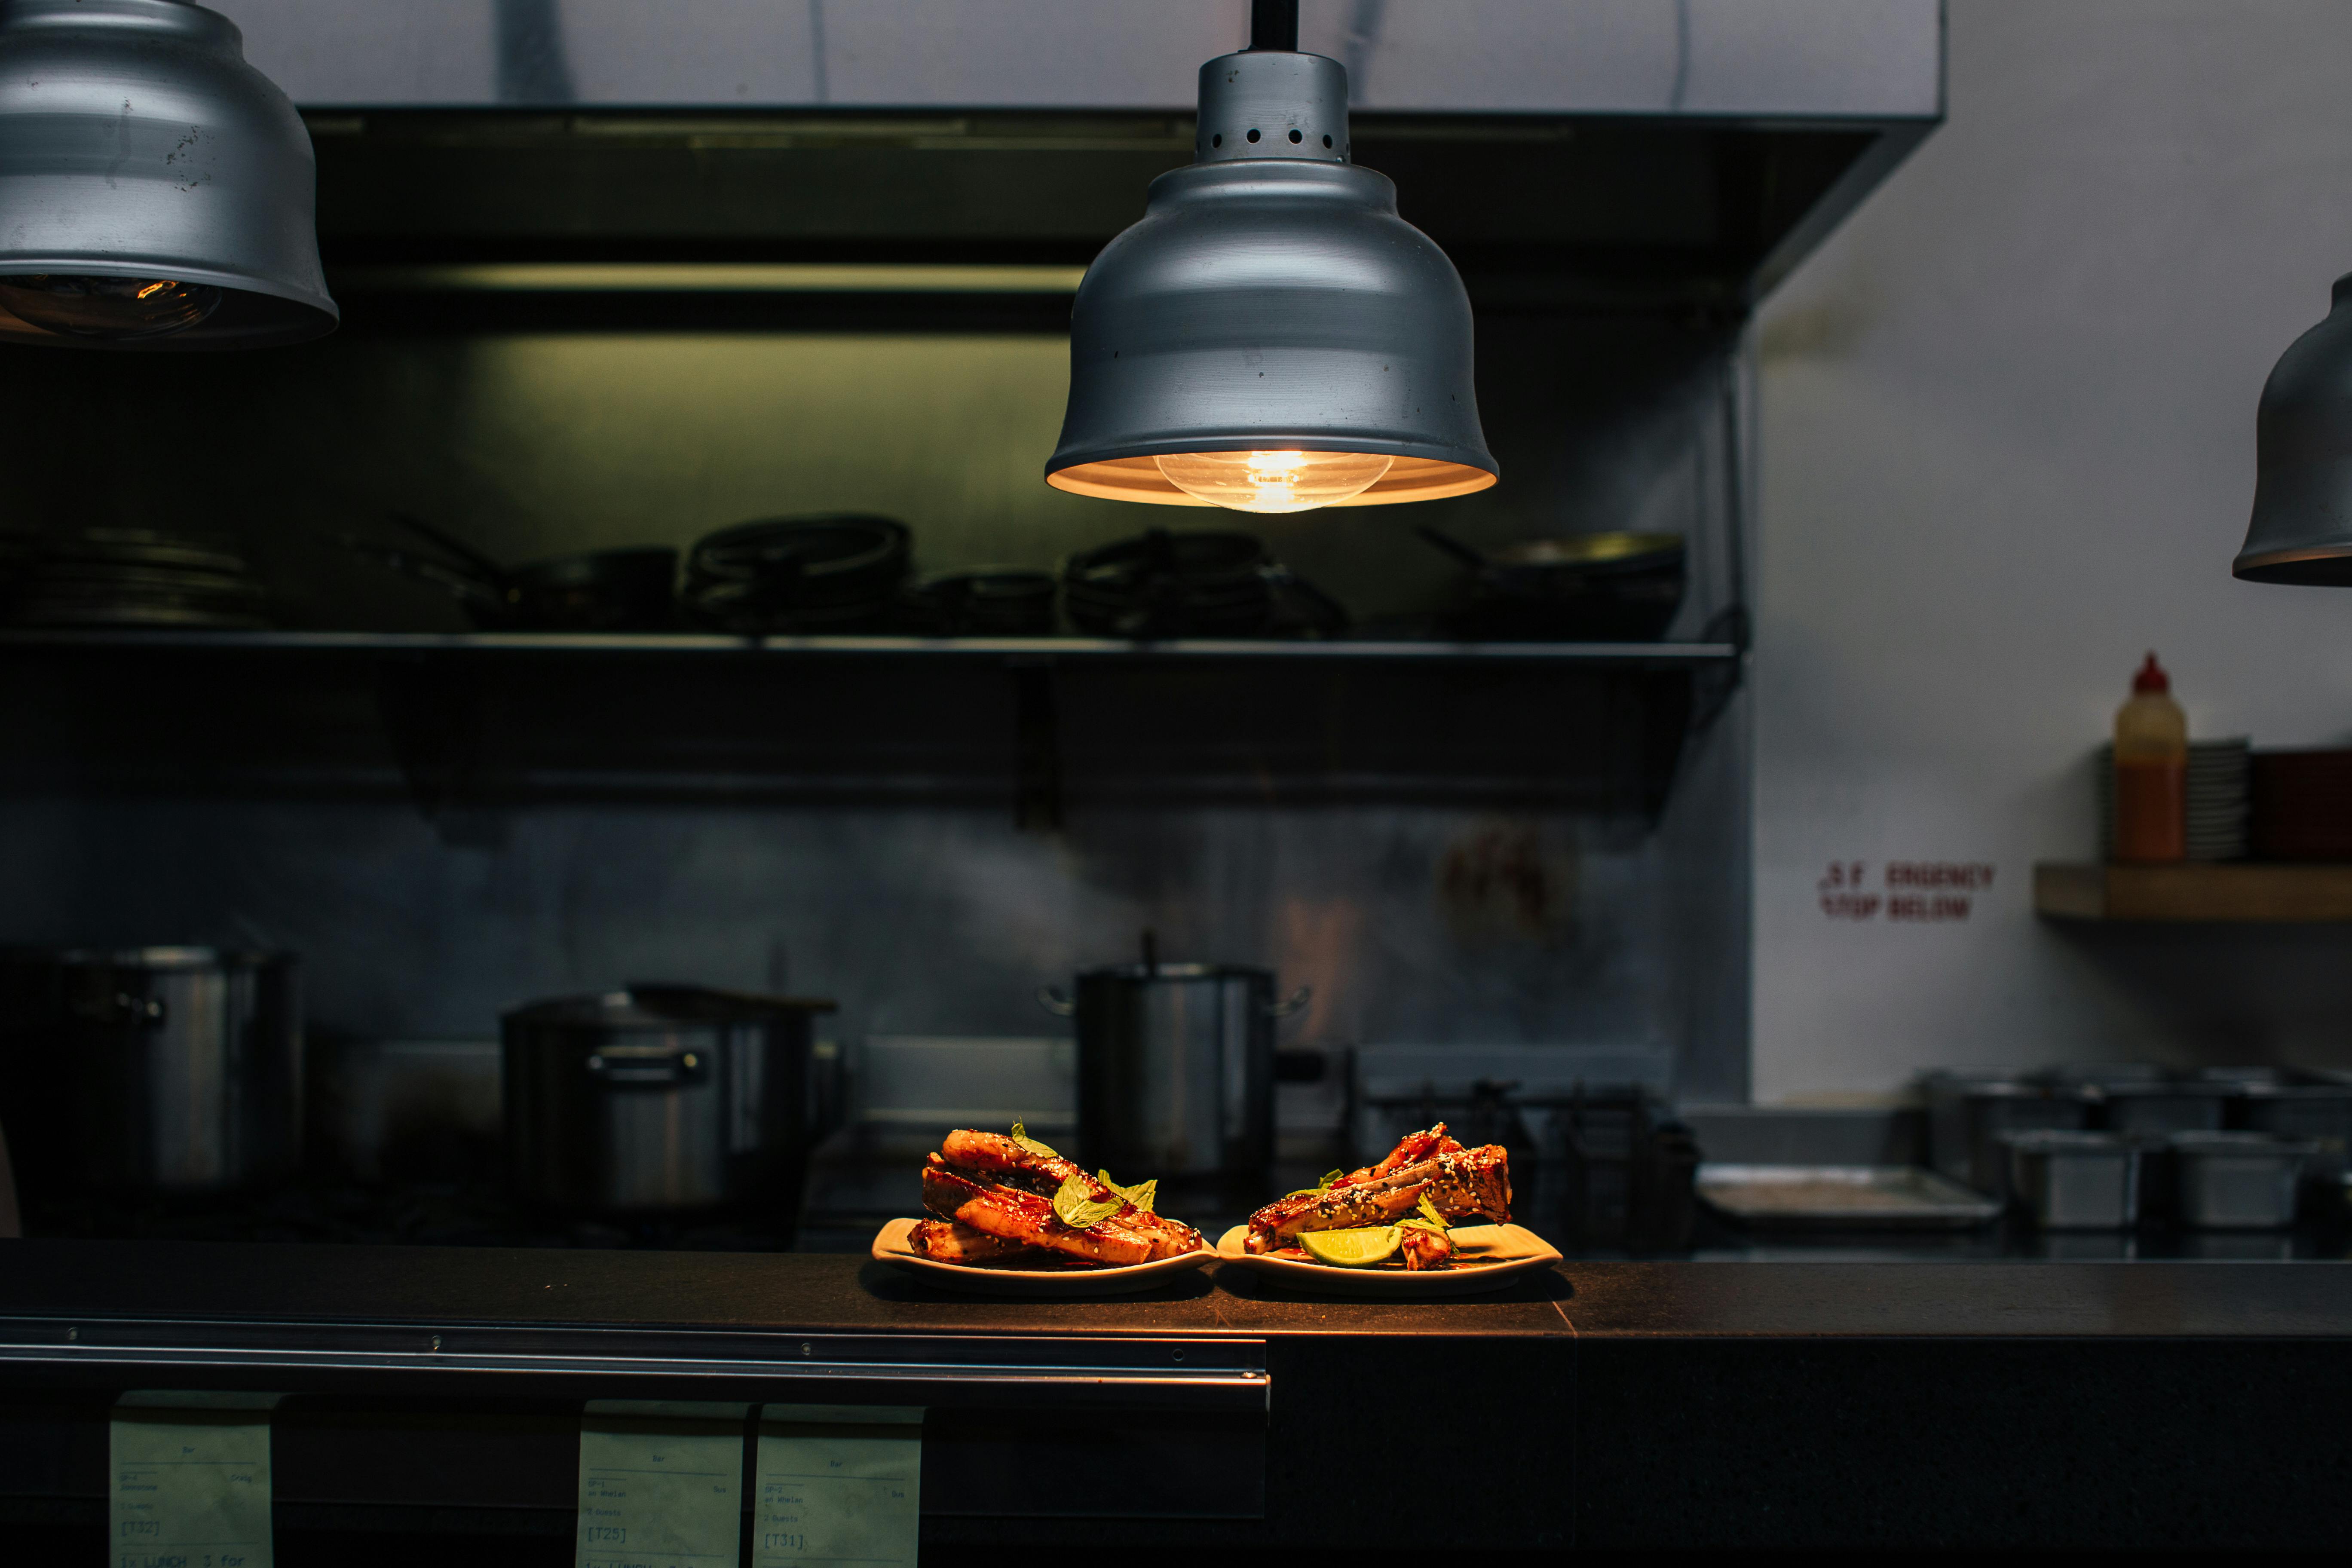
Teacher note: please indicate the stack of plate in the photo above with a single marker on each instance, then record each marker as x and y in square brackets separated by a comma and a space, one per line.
[137, 577]
[2219, 782]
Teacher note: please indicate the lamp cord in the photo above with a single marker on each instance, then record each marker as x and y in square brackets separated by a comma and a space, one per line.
[1273, 25]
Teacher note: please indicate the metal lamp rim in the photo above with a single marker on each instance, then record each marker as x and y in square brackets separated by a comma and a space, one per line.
[1135, 478]
[119, 267]
[2248, 564]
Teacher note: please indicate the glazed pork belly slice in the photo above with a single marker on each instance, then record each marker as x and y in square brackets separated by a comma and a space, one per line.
[993, 1158]
[1026, 1220]
[1411, 1150]
[952, 1241]
[1010, 1163]
[1459, 1185]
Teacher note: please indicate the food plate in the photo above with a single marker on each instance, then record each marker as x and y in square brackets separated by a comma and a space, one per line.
[890, 1246]
[1487, 1257]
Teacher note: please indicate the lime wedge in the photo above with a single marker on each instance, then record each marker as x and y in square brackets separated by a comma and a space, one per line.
[1353, 1248]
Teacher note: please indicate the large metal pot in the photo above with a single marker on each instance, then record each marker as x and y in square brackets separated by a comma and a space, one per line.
[157, 1071]
[660, 1100]
[1176, 1068]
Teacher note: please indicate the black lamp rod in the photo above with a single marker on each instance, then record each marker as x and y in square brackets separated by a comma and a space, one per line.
[1273, 25]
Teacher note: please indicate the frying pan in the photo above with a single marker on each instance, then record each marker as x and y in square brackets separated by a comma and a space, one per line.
[1582, 587]
[628, 590]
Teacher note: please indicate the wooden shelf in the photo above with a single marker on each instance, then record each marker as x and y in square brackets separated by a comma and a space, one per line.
[2237, 893]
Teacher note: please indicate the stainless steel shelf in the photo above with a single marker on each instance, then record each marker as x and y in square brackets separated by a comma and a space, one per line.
[1675, 655]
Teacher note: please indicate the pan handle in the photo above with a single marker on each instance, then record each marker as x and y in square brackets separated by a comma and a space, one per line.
[1295, 1002]
[476, 562]
[1453, 547]
[1327, 616]
[461, 584]
[1057, 1004]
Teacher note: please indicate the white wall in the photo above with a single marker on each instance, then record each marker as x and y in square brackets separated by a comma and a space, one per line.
[2007, 438]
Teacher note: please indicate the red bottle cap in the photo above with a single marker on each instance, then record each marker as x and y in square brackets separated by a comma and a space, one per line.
[2151, 677]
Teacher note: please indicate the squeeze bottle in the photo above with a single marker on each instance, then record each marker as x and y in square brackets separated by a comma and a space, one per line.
[2151, 771]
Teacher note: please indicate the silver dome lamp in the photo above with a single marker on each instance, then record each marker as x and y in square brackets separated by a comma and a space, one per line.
[158, 191]
[2302, 528]
[1271, 336]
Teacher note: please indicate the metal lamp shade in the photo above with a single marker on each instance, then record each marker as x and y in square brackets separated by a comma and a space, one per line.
[160, 193]
[2302, 529]
[1271, 300]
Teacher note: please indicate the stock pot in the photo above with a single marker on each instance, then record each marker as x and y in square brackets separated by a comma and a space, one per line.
[660, 1100]
[1176, 1068]
[151, 1071]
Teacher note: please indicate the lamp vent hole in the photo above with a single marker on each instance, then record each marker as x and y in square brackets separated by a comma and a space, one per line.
[1295, 136]
[1252, 135]
[1220, 140]
[1327, 140]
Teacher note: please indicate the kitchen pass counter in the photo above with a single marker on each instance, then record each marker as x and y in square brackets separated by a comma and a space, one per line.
[1608, 1404]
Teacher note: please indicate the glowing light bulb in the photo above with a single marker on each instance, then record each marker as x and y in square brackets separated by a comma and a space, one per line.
[1274, 482]
[117, 309]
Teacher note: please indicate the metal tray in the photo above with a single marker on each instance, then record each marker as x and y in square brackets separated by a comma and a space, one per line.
[1845, 1198]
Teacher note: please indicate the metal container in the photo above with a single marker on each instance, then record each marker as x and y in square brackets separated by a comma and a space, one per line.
[2236, 1181]
[2076, 1180]
[1176, 1068]
[2318, 1113]
[1843, 1198]
[660, 1100]
[2142, 1098]
[2154, 1109]
[1967, 1116]
[158, 1070]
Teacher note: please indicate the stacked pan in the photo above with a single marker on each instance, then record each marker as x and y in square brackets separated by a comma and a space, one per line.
[631, 589]
[100, 577]
[825, 574]
[982, 602]
[1211, 584]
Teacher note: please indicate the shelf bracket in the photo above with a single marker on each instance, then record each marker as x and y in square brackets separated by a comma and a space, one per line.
[1036, 746]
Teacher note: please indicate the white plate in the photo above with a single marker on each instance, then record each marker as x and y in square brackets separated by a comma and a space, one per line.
[890, 1246]
[1513, 1250]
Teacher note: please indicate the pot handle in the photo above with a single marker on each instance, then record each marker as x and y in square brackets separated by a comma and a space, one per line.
[652, 1069]
[1295, 1002]
[1456, 548]
[124, 1007]
[1057, 1004]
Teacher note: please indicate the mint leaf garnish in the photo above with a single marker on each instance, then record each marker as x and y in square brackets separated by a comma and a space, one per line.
[1143, 1195]
[1021, 1138]
[1426, 1218]
[1076, 1207]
